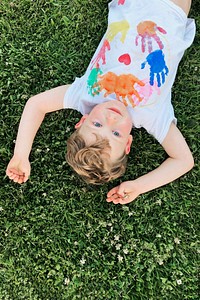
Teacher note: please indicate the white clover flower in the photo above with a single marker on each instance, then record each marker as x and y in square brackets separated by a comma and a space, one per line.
[160, 262]
[82, 261]
[118, 246]
[125, 208]
[130, 214]
[179, 281]
[159, 202]
[24, 97]
[125, 251]
[158, 235]
[177, 241]
[110, 224]
[67, 129]
[1, 208]
[44, 194]
[75, 243]
[112, 242]
[116, 237]
[67, 281]
[120, 258]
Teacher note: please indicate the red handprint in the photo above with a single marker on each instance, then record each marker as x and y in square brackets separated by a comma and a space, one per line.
[101, 55]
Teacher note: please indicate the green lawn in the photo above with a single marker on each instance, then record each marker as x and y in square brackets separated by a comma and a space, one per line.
[59, 238]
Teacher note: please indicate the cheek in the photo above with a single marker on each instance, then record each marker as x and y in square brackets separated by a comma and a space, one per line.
[127, 126]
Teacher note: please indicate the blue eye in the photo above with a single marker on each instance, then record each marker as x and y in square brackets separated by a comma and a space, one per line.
[97, 124]
[116, 133]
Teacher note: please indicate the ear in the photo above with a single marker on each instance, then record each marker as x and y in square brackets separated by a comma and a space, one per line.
[81, 121]
[128, 145]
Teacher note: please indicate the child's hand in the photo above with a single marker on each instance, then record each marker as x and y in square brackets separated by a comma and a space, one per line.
[18, 169]
[124, 193]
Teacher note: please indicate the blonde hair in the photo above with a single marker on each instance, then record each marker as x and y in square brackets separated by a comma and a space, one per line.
[92, 162]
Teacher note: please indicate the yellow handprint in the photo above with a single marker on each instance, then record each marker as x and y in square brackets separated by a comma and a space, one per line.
[117, 27]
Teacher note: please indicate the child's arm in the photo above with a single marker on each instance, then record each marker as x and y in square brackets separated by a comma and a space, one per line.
[35, 109]
[179, 162]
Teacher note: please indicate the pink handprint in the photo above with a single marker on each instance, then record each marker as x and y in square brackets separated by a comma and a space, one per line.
[145, 92]
[101, 55]
[147, 32]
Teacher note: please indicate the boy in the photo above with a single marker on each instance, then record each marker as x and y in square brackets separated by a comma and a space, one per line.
[128, 83]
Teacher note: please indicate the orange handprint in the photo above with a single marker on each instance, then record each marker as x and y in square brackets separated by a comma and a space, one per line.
[147, 31]
[121, 85]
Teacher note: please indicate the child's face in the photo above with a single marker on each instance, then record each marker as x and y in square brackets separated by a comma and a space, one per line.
[110, 120]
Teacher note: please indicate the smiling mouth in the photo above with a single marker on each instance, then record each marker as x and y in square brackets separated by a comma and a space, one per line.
[115, 110]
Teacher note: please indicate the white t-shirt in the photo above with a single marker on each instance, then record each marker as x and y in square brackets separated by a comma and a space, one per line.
[136, 63]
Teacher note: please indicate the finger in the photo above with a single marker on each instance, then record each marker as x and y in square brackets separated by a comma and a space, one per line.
[26, 177]
[112, 191]
[125, 201]
[109, 200]
[113, 197]
[121, 191]
[9, 173]
[116, 201]
[13, 177]
[16, 179]
[13, 171]
[21, 180]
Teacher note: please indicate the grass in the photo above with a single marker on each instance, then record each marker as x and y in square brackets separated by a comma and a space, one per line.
[59, 238]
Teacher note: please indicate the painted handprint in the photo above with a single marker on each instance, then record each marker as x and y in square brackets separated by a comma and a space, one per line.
[101, 55]
[117, 27]
[121, 85]
[113, 29]
[93, 88]
[158, 67]
[146, 91]
[147, 32]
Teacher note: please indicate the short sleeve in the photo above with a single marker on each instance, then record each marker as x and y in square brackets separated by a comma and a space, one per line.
[73, 95]
[160, 123]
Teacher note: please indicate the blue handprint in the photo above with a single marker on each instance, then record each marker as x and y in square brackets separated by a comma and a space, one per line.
[158, 67]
